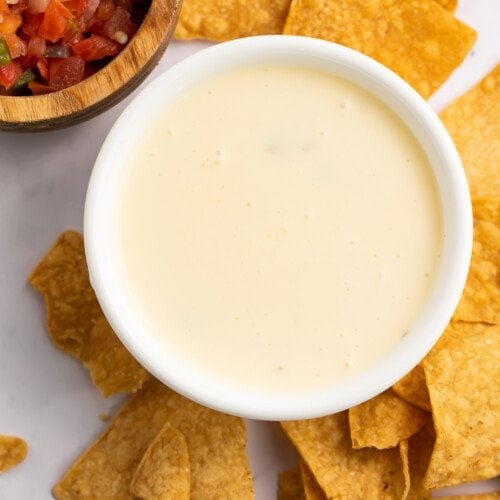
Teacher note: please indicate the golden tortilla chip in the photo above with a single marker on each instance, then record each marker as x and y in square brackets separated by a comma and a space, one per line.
[290, 485]
[450, 5]
[312, 490]
[72, 308]
[413, 389]
[417, 39]
[420, 447]
[75, 321]
[472, 121]
[481, 297]
[163, 473]
[325, 445]
[462, 372]
[217, 450]
[220, 20]
[111, 366]
[383, 421]
[106, 469]
[13, 450]
[403, 453]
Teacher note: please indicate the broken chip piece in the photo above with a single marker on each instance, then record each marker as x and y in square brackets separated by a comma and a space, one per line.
[163, 472]
[417, 39]
[105, 470]
[217, 449]
[62, 278]
[413, 389]
[472, 121]
[216, 446]
[384, 421]
[13, 450]
[111, 366]
[75, 320]
[221, 20]
[461, 371]
[341, 472]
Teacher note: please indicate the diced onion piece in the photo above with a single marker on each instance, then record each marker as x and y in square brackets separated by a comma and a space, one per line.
[37, 6]
[37, 46]
[90, 8]
[12, 2]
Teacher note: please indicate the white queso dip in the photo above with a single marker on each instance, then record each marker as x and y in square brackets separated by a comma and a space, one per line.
[279, 228]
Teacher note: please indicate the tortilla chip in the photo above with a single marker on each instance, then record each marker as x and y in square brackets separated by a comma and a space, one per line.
[413, 389]
[290, 485]
[481, 297]
[75, 321]
[217, 450]
[325, 445]
[106, 469]
[417, 39]
[403, 453]
[450, 5]
[163, 473]
[420, 449]
[220, 20]
[13, 450]
[383, 421]
[111, 366]
[472, 121]
[312, 490]
[72, 308]
[461, 373]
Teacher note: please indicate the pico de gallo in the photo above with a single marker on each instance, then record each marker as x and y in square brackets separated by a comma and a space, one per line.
[48, 45]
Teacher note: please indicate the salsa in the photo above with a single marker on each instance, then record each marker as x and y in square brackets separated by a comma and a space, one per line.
[48, 45]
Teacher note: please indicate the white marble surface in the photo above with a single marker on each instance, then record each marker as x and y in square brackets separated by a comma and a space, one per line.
[46, 396]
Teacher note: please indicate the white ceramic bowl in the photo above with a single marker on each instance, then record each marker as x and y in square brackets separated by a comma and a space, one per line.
[109, 282]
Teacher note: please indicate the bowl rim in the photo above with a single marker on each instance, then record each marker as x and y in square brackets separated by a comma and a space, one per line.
[452, 187]
[100, 91]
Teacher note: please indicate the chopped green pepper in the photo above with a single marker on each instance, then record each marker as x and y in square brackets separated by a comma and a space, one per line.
[4, 53]
[21, 85]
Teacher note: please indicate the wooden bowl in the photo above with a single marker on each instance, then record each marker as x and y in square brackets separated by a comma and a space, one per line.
[101, 90]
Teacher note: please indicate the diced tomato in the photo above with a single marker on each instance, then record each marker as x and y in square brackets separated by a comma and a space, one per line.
[74, 33]
[118, 22]
[27, 61]
[40, 88]
[9, 74]
[32, 23]
[104, 11]
[55, 21]
[17, 47]
[10, 23]
[96, 47]
[124, 4]
[37, 46]
[66, 72]
[43, 68]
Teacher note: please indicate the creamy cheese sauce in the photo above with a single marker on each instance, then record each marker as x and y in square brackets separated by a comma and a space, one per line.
[280, 228]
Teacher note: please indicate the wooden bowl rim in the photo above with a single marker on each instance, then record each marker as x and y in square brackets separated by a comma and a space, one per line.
[104, 88]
